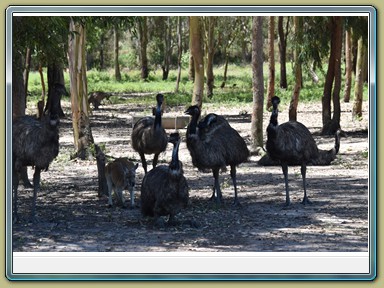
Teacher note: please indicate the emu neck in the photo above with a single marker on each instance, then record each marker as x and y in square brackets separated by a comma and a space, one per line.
[158, 116]
[193, 123]
[175, 157]
[274, 115]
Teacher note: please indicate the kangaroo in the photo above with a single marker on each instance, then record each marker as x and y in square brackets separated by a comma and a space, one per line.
[120, 174]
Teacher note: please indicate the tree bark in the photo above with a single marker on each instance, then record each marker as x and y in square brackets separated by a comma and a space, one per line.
[55, 74]
[359, 81]
[116, 55]
[168, 48]
[333, 79]
[78, 80]
[197, 52]
[143, 35]
[257, 82]
[282, 52]
[297, 22]
[26, 72]
[211, 21]
[348, 66]
[271, 61]
[179, 52]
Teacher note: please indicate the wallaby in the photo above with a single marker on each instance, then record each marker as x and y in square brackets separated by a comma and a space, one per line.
[120, 174]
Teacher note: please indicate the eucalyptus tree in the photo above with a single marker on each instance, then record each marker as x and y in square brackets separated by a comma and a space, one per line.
[283, 35]
[197, 52]
[298, 32]
[271, 61]
[257, 82]
[332, 84]
[45, 38]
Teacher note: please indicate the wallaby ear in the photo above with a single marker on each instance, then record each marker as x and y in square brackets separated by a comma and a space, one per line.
[136, 166]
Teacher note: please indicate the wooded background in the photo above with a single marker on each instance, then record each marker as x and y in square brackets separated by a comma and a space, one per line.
[333, 46]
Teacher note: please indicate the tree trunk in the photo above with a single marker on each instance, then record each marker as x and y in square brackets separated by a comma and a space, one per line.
[257, 82]
[18, 87]
[271, 61]
[225, 68]
[179, 52]
[41, 103]
[55, 74]
[333, 78]
[197, 52]
[168, 48]
[143, 35]
[210, 53]
[78, 80]
[282, 52]
[116, 56]
[101, 52]
[348, 66]
[297, 23]
[26, 72]
[359, 81]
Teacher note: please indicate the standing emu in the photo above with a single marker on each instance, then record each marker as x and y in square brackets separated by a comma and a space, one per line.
[148, 135]
[35, 143]
[214, 144]
[291, 143]
[164, 190]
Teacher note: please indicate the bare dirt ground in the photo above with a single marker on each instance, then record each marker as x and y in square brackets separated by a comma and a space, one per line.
[73, 218]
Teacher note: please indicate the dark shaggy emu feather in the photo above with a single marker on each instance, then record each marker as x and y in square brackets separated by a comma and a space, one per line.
[291, 143]
[214, 144]
[164, 190]
[35, 143]
[148, 135]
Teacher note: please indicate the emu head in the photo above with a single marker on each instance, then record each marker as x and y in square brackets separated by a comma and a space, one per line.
[174, 138]
[193, 110]
[275, 102]
[159, 99]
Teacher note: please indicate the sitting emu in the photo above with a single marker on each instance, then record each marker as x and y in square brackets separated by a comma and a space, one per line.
[214, 144]
[291, 143]
[148, 135]
[34, 143]
[164, 190]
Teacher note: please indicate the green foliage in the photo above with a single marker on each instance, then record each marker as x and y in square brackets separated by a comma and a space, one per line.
[238, 88]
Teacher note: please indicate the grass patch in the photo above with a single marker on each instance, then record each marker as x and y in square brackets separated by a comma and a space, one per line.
[238, 88]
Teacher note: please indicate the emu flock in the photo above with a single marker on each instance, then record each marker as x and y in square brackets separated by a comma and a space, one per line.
[212, 143]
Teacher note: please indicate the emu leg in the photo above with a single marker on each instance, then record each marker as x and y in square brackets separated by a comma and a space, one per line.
[155, 158]
[217, 186]
[233, 176]
[24, 177]
[303, 173]
[132, 193]
[144, 162]
[36, 189]
[284, 166]
[15, 184]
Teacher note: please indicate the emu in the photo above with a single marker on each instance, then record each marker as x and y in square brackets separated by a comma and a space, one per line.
[164, 190]
[34, 143]
[291, 143]
[214, 144]
[148, 135]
